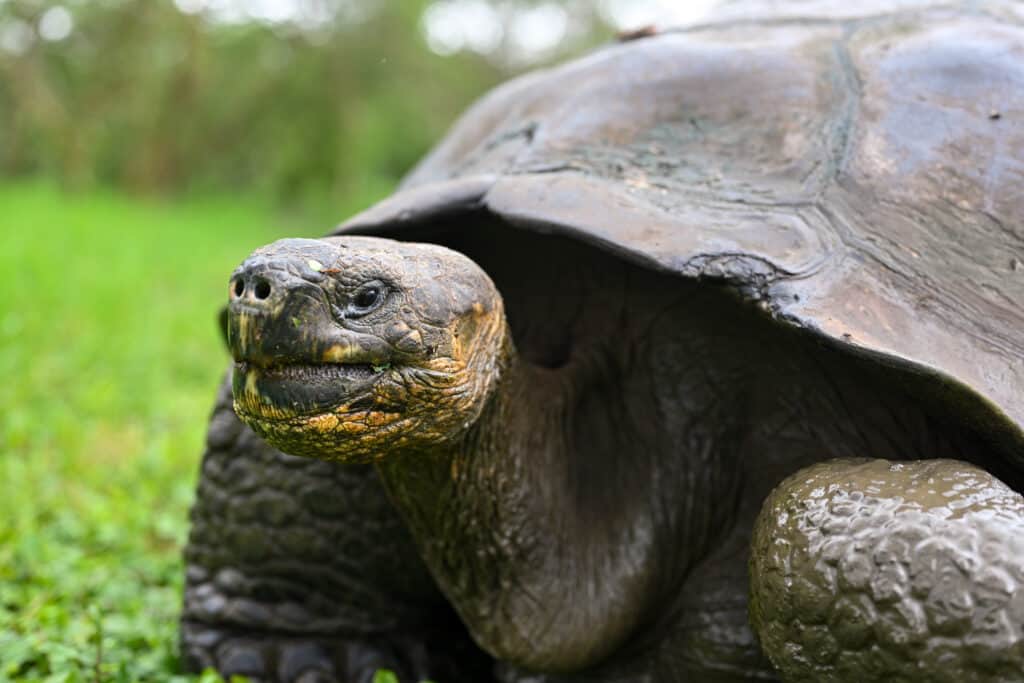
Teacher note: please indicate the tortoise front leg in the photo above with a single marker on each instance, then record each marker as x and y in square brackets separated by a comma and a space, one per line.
[303, 658]
[871, 570]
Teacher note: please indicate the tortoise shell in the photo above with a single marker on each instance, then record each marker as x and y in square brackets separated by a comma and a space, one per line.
[856, 171]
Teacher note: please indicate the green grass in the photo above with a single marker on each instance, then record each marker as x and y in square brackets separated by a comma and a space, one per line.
[109, 356]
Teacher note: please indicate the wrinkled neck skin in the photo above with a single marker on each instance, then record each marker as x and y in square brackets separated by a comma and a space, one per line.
[493, 519]
[466, 503]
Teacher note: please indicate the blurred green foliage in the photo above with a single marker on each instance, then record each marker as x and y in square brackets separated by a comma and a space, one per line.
[144, 96]
[109, 352]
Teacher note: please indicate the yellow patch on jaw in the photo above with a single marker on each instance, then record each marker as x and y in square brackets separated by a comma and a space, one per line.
[244, 320]
[339, 353]
[376, 418]
[352, 427]
[250, 385]
[324, 423]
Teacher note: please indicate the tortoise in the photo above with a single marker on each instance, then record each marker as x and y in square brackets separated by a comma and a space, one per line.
[726, 311]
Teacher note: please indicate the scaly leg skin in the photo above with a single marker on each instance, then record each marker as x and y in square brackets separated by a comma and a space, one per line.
[299, 570]
[869, 570]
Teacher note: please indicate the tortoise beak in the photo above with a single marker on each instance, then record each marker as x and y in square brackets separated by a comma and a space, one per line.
[291, 355]
[275, 312]
[279, 311]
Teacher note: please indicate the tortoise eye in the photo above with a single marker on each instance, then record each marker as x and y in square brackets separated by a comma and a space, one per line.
[366, 298]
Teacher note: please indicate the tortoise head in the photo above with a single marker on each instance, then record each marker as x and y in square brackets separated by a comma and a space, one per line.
[348, 348]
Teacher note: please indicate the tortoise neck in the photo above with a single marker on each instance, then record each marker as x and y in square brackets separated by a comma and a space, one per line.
[475, 507]
[428, 485]
[509, 542]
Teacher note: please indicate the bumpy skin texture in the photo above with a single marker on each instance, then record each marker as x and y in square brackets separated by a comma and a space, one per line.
[869, 570]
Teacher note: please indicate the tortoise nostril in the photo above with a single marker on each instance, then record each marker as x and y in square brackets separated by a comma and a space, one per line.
[239, 287]
[262, 290]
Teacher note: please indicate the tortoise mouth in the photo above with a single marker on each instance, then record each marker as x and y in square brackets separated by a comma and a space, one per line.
[289, 390]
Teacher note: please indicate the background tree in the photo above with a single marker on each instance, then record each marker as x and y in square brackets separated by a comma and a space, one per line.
[296, 99]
